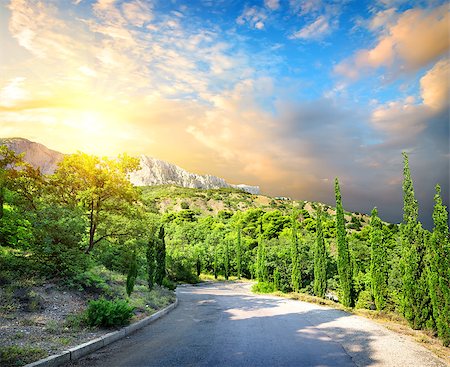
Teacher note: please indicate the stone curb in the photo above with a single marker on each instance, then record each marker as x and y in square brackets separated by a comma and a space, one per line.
[93, 345]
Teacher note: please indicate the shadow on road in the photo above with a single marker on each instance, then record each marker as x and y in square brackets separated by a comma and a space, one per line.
[214, 326]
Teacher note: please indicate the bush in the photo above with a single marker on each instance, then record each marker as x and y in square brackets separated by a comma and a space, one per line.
[263, 287]
[167, 283]
[108, 313]
[365, 300]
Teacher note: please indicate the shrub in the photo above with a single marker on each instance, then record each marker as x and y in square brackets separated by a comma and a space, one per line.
[167, 283]
[263, 287]
[365, 300]
[108, 313]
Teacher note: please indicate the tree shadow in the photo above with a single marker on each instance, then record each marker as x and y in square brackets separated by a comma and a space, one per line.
[211, 327]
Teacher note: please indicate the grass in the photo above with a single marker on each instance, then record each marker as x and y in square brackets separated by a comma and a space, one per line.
[220, 278]
[18, 356]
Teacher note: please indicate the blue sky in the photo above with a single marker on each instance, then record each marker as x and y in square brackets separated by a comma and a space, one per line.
[282, 94]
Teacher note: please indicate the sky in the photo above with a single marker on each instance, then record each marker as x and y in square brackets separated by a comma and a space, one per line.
[284, 94]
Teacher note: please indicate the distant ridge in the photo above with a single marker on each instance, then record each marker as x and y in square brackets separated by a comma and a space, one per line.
[38, 155]
[153, 171]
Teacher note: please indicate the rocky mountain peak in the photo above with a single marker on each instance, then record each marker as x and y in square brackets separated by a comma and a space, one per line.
[153, 171]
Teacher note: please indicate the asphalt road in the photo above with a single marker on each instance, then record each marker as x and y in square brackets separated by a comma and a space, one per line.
[223, 324]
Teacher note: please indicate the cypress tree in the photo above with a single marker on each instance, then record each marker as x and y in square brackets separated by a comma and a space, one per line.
[344, 264]
[296, 276]
[439, 269]
[276, 280]
[160, 272]
[226, 260]
[132, 274]
[320, 259]
[415, 302]
[378, 261]
[238, 253]
[261, 270]
[216, 259]
[151, 261]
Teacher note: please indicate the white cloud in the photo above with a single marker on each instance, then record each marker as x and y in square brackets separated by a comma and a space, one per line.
[253, 16]
[137, 12]
[272, 4]
[315, 30]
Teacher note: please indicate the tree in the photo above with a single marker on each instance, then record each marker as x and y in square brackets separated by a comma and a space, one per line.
[439, 269]
[261, 268]
[296, 275]
[226, 258]
[344, 264]
[320, 259]
[99, 186]
[132, 274]
[378, 262]
[151, 261]
[9, 160]
[238, 253]
[415, 302]
[160, 272]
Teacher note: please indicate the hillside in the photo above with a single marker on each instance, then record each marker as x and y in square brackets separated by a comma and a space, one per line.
[167, 198]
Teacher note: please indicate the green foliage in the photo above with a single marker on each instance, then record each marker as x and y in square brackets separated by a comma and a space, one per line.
[415, 300]
[160, 271]
[276, 280]
[226, 259]
[296, 273]
[439, 269]
[106, 313]
[167, 283]
[378, 262]
[239, 254]
[261, 266]
[98, 186]
[344, 264]
[320, 259]
[58, 232]
[365, 300]
[151, 261]
[263, 287]
[132, 274]
[15, 355]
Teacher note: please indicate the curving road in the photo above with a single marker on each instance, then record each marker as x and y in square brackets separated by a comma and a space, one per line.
[224, 324]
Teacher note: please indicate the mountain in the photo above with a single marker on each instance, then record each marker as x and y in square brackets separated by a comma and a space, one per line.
[157, 172]
[36, 154]
[153, 171]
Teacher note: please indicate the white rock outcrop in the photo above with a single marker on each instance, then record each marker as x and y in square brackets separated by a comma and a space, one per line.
[157, 172]
[153, 171]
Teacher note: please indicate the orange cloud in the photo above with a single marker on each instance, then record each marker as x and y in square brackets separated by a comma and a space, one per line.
[403, 120]
[417, 38]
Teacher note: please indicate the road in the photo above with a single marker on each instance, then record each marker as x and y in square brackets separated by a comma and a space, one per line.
[224, 324]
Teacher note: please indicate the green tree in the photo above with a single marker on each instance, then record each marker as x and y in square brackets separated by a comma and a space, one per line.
[132, 274]
[99, 186]
[415, 302]
[239, 253]
[160, 271]
[378, 262]
[9, 160]
[343, 263]
[296, 273]
[151, 260]
[261, 266]
[226, 258]
[320, 259]
[439, 269]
